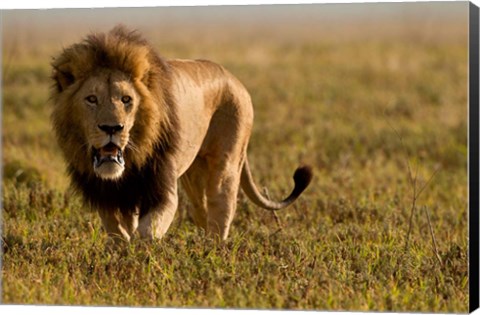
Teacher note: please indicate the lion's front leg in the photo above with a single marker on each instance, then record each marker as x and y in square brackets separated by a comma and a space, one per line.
[119, 225]
[156, 222]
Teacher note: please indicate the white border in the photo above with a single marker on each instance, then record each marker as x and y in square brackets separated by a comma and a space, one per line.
[77, 310]
[47, 4]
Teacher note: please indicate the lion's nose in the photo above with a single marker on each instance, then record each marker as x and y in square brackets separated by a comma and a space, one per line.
[110, 130]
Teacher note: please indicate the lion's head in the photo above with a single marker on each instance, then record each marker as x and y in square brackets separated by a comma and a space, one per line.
[110, 107]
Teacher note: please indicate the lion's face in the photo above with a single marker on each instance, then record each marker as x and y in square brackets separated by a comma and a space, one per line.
[112, 108]
[107, 102]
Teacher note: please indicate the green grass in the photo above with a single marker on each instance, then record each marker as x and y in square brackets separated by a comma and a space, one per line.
[359, 110]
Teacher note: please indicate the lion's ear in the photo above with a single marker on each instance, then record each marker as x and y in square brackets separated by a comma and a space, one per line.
[63, 77]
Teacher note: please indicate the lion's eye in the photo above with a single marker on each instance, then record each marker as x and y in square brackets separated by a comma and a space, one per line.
[126, 99]
[92, 99]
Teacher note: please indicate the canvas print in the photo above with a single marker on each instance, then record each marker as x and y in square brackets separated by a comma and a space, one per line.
[301, 157]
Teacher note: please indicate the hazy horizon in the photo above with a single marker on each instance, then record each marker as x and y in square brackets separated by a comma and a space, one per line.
[326, 13]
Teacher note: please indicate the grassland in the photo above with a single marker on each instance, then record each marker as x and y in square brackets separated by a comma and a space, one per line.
[370, 106]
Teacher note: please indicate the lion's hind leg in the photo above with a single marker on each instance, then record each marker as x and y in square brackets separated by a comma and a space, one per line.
[224, 149]
[212, 189]
[222, 191]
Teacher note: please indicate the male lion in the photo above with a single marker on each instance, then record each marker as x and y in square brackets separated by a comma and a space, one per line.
[131, 124]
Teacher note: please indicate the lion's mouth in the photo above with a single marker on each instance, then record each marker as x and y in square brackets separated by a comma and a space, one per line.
[109, 153]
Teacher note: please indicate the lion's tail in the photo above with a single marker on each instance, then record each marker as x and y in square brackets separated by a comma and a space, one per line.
[302, 177]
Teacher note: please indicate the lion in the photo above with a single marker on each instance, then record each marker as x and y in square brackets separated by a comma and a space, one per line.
[132, 126]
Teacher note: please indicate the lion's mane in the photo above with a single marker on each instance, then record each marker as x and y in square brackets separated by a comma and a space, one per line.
[148, 168]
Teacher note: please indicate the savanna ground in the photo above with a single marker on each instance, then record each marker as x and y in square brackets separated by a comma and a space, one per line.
[377, 105]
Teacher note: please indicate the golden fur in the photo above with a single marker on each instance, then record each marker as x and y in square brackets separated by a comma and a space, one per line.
[131, 125]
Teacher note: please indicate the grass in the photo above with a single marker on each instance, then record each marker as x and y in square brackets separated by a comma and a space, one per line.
[360, 109]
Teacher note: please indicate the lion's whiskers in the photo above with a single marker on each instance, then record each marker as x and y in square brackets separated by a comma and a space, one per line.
[80, 149]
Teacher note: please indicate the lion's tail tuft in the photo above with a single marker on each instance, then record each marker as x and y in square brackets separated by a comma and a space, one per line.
[302, 178]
